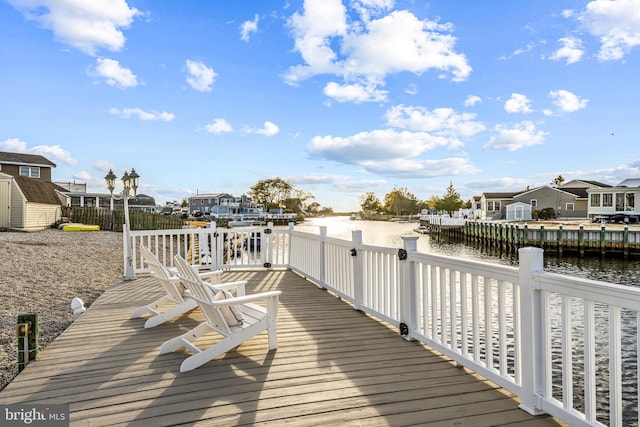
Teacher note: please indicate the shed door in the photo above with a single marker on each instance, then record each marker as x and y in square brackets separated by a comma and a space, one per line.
[5, 204]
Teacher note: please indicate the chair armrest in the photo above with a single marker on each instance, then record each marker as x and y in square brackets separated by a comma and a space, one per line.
[209, 274]
[247, 298]
[238, 286]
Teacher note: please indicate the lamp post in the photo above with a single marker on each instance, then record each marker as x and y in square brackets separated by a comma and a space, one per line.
[130, 182]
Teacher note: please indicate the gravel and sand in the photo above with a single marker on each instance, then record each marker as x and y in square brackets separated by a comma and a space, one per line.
[41, 272]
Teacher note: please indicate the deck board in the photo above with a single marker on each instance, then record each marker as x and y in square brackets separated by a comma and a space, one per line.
[333, 366]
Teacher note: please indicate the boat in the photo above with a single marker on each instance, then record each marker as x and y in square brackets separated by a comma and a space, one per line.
[422, 229]
[80, 227]
[239, 223]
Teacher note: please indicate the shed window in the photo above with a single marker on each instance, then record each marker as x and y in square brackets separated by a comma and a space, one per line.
[31, 172]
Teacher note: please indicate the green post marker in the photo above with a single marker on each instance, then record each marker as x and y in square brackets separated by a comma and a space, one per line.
[27, 334]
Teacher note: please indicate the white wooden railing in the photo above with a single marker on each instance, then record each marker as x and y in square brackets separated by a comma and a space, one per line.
[564, 345]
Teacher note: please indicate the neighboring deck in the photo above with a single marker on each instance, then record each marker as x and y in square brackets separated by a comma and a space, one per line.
[334, 366]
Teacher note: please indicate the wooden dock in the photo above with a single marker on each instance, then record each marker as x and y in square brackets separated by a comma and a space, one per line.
[334, 366]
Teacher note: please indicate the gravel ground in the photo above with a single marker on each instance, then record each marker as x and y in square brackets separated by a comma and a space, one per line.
[41, 272]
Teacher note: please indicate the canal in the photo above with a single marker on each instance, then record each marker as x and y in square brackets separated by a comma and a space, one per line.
[389, 234]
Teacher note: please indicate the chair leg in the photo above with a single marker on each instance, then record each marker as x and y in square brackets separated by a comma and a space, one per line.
[177, 342]
[228, 343]
[176, 311]
[150, 308]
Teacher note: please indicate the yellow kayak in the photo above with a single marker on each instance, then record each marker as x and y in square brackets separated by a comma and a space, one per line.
[81, 227]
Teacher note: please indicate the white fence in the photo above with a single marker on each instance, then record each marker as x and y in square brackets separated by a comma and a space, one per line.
[564, 345]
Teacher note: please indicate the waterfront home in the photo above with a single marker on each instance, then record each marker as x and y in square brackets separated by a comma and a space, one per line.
[616, 200]
[569, 200]
[224, 204]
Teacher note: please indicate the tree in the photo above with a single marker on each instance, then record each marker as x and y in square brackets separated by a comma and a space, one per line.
[400, 201]
[313, 208]
[558, 181]
[271, 193]
[451, 200]
[369, 203]
[277, 192]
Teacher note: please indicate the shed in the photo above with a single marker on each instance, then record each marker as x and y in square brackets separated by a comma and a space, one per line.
[28, 203]
[518, 211]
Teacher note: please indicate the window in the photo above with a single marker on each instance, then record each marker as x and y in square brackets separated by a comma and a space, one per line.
[631, 201]
[607, 200]
[493, 205]
[569, 207]
[595, 200]
[619, 201]
[32, 172]
[534, 203]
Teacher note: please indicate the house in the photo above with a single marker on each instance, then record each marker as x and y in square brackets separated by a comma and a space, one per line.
[28, 199]
[493, 205]
[566, 202]
[612, 200]
[223, 204]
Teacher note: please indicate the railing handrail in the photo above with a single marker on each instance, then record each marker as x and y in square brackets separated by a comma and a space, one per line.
[498, 320]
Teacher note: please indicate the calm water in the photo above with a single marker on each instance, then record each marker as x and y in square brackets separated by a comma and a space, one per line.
[390, 234]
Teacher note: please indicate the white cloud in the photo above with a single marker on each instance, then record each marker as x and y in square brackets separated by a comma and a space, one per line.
[113, 73]
[615, 23]
[472, 100]
[377, 145]
[84, 25]
[401, 42]
[269, 129]
[571, 50]
[356, 93]
[422, 168]
[249, 27]
[55, 153]
[368, 8]
[142, 115]
[518, 103]
[391, 153]
[200, 77]
[519, 136]
[440, 121]
[320, 178]
[566, 101]
[219, 126]
[365, 51]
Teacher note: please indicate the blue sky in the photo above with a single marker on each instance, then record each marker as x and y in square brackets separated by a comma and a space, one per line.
[339, 97]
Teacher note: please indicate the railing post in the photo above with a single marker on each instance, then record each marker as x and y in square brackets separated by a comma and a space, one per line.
[531, 345]
[407, 288]
[358, 284]
[268, 233]
[323, 263]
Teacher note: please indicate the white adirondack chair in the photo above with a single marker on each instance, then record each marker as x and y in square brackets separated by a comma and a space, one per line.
[237, 319]
[174, 303]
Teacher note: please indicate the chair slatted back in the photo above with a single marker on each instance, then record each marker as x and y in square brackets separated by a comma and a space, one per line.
[203, 293]
[169, 282]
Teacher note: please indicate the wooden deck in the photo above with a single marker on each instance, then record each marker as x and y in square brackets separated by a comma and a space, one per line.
[334, 366]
